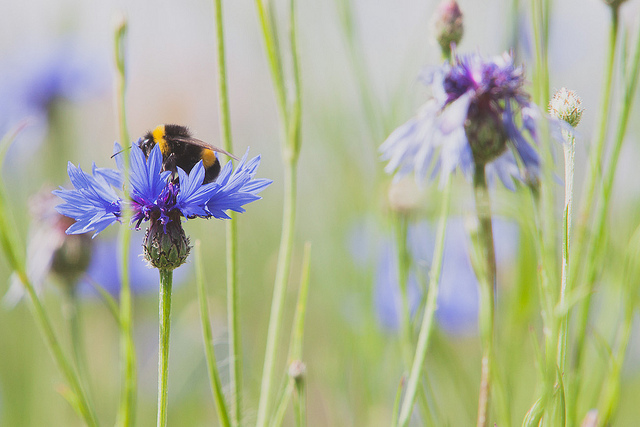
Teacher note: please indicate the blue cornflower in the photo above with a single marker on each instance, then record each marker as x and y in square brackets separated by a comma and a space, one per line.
[32, 80]
[479, 114]
[94, 204]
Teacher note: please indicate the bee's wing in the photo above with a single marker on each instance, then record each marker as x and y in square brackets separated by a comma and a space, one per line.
[199, 143]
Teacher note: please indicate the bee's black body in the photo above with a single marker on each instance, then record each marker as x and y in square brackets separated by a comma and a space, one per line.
[181, 150]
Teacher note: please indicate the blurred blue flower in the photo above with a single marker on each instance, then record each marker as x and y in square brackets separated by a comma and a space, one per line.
[479, 113]
[34, 78]
[94, 204]
[457, 310]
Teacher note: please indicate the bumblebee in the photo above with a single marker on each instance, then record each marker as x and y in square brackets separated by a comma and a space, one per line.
[181, 150]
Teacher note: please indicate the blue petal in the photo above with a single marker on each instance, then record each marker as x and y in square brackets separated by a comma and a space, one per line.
[92, 203]
[234, 189]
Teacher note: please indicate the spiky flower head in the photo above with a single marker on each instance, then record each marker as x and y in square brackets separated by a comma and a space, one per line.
[566, 106]
[478, 115]
[447, 25]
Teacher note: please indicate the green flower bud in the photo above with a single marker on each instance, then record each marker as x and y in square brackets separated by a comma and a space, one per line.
[447, 25]
[72, 258]
[166, 248]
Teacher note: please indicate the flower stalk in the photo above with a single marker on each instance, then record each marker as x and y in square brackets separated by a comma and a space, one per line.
[72, 313]
[235, 351]
[166, 282]
[126, 413]
[594, 174]
[212, 366]
[291, 125]
[9, 242]
[401, 222]
[487, 282]
[430, 308]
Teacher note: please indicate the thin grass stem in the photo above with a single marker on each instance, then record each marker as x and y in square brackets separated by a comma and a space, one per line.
[212, 366]
[235, 350]
[430, 308]
[126, 412]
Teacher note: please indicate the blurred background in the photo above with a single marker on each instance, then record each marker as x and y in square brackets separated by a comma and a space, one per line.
[359, 65]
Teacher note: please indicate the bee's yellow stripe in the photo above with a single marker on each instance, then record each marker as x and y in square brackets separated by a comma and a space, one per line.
[208, 157]
[158, 137]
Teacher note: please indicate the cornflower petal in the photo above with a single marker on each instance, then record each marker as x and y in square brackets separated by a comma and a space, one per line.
[234, 188]
[193, 196]
[113, 177]
[474, 113]
[92, 203]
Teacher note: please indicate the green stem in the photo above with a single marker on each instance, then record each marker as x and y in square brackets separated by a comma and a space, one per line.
[404, 264]
[291, 125]
[401, 222]
[44, 323]
[300, 402]
[277, 74]
[611, 387]
[233, 321]
[212, 366]
[370, 105]
[598, 230]
[283, 402]
[549, 324]
[72, 312]
[235, 351]
[10, 244]
[297, 333]
[126, 412]
[429, 313]
[487, 283]
[282, 273]
[297, 337]
[569, 166]
[610, 397]
[595, 169]
[166, 281]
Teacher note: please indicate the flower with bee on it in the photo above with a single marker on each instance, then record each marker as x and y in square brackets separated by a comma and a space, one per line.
[157, 198]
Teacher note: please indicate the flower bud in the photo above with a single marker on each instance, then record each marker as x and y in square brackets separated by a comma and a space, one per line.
[404, 196]
[297, 370]
[69, 254]
[447, 25]
[165, 246]
[566, 106]
[72, 258]
[614, 3]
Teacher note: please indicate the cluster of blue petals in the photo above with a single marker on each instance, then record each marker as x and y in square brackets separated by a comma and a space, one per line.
[436, 140]
[94, 203]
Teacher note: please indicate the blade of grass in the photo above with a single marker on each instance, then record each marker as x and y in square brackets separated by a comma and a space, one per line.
[212, 366]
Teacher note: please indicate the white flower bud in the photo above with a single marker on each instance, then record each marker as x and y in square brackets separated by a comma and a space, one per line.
[566, 105]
